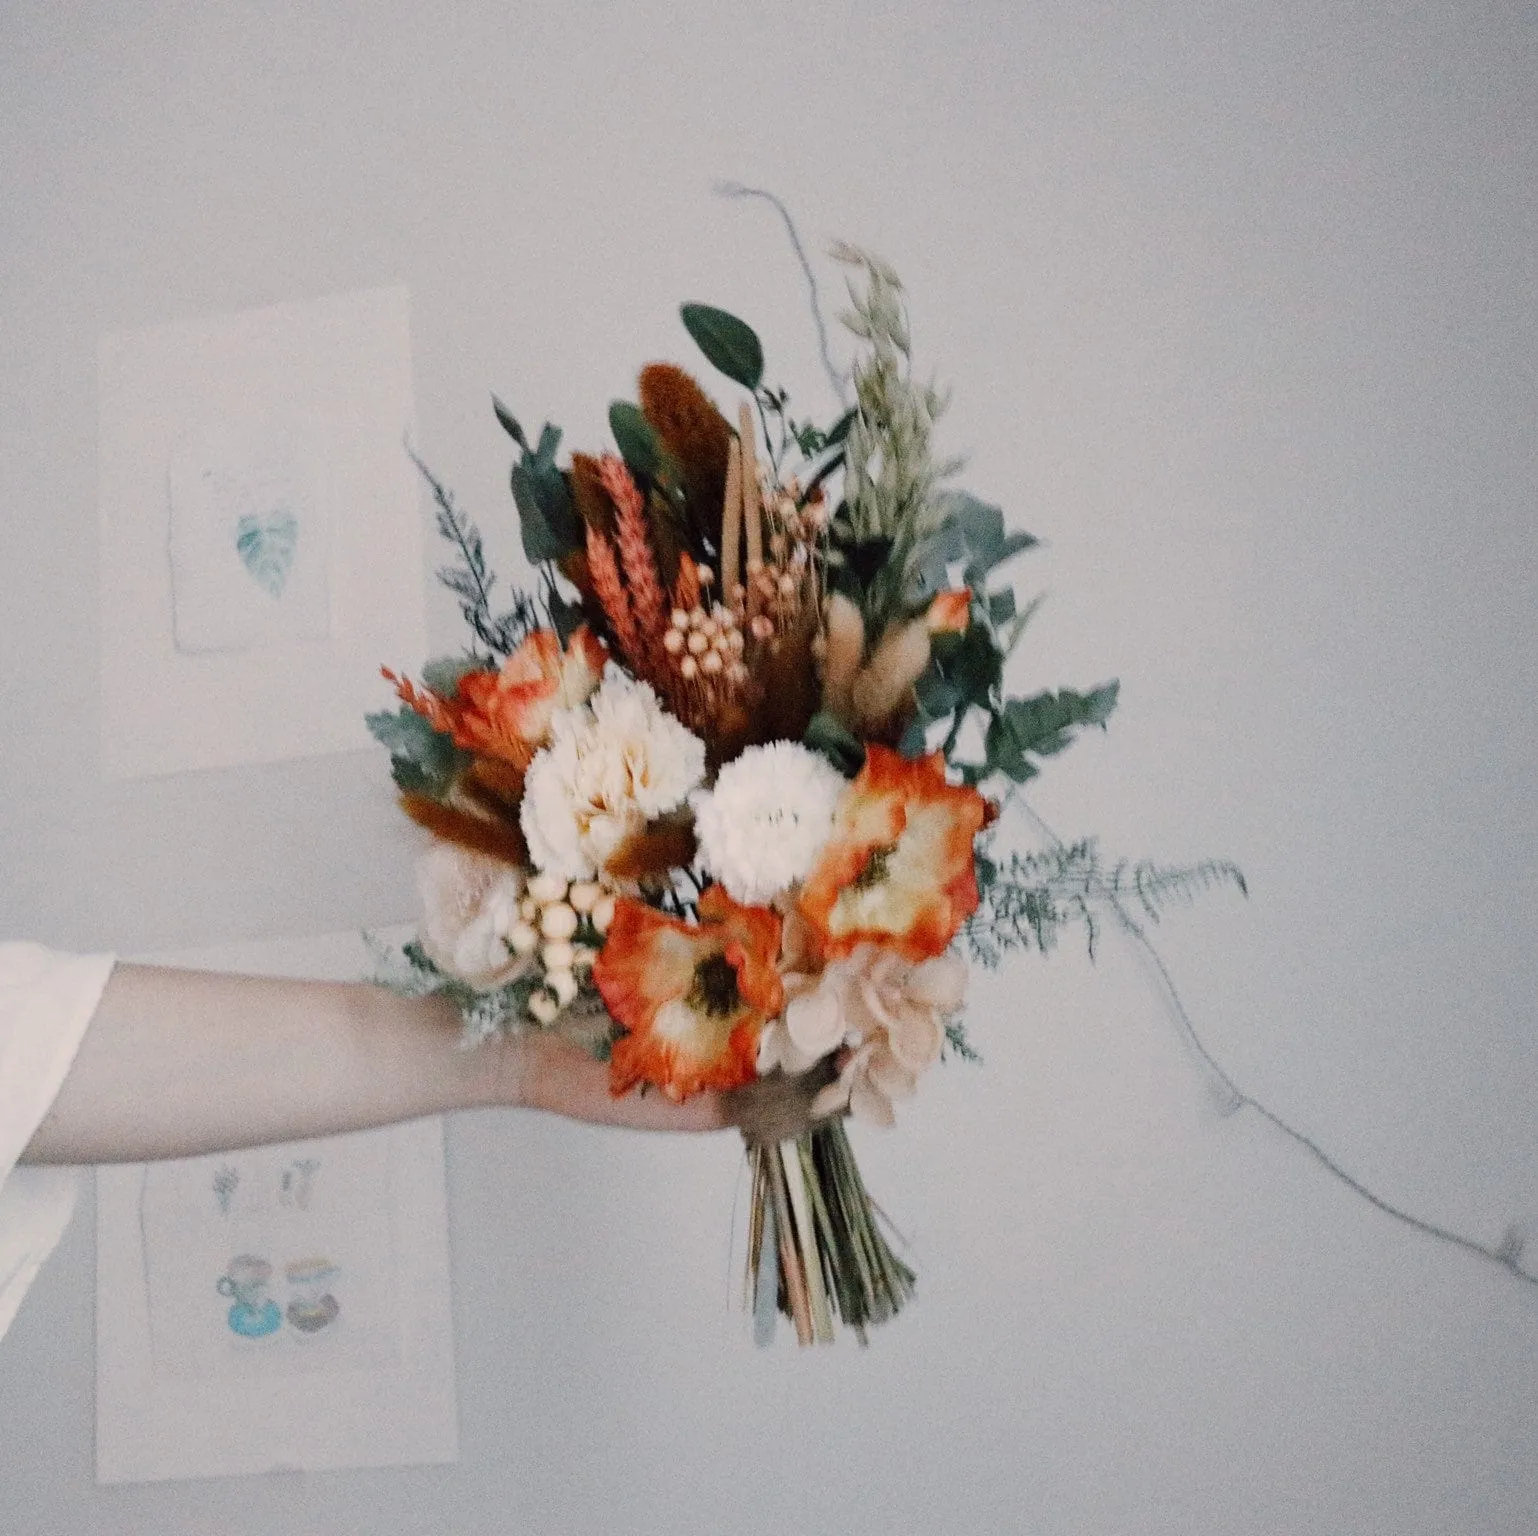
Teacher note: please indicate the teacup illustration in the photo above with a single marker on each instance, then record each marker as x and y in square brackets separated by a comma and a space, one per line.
[311, 1305]
[254, 1314]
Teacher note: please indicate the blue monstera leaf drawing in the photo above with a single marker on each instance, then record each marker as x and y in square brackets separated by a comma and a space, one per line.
[266, 545]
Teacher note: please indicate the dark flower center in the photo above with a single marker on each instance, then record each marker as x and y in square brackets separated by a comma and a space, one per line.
[875, 870]
[715, 987]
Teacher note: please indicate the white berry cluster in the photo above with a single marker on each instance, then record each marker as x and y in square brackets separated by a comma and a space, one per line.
[554, 918]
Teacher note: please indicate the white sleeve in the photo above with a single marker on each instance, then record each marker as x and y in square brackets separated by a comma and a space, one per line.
[46, 1002]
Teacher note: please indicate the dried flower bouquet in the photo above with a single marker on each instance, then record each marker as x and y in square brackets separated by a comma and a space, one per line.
[714, 800]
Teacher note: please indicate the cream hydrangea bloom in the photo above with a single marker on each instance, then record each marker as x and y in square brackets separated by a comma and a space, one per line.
[612, 765]
[470, 904]
[886, 1012]
[764, 823]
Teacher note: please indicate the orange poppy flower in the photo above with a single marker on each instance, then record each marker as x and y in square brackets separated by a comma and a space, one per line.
[897, 870]
[692, 996]
[507, 714]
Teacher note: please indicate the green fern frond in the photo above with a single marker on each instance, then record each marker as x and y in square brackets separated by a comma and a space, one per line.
[1028, 902]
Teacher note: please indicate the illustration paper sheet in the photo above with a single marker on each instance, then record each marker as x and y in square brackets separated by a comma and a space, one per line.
[260, 532]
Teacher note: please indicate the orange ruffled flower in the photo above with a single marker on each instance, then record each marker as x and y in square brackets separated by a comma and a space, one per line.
[692, 996]
[897, 870]
[507, 714]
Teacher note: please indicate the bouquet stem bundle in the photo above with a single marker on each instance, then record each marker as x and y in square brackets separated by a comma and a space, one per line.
[815, 1245]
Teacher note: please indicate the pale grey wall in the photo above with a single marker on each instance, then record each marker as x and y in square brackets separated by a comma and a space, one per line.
[1238, 300]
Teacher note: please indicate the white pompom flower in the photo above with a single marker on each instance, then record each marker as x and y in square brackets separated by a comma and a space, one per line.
[612, 765]
[470, 906]
[762, 826]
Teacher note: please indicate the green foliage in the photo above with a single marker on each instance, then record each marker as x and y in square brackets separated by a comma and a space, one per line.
[471, 580]
[731, 345]
[639, 445]
[547, 520]
[566, 617]
[422, 761]
[890, 471]
[443, 673]
[1043, 725]
[956, 1041]
[826, 734]
[1030, 899]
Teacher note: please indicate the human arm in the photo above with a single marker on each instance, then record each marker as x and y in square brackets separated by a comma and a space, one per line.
[177, 1063]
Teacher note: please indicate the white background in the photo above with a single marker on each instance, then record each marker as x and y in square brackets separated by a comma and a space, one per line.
[1238, 303]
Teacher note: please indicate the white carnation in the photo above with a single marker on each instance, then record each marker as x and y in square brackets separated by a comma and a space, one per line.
[763, 825]
[612, 765]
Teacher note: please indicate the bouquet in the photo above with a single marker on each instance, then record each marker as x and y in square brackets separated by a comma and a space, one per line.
[719, 798]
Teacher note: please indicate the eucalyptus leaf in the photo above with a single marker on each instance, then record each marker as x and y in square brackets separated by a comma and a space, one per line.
[926, 570]
[731, 345]
[836, 742]
[1005, 754]
[937, 696]
[565, 617]
[638, 444]
[549, 445]
[442, 674]
[972, 662]
[1013, 544]
[1001, 606]
[422, 760]
[915, 740]
[547, 520]
[840, 428]
[980, 523]
[1043, 725]
[510, 424]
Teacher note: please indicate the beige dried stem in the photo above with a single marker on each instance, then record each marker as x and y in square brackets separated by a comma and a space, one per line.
[731, 525]
[841, 656]
[752, 500]
[886, 680]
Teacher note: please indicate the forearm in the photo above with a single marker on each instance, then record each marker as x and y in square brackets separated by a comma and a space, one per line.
[177, 1063]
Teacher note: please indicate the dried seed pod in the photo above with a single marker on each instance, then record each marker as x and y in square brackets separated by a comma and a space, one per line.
[696, 435]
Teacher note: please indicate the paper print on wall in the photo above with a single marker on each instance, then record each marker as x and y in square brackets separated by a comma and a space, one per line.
[249, 539]
[272, 1262]
[261, 531]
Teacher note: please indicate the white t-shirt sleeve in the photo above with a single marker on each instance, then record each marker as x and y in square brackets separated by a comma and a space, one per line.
[46, 1002]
